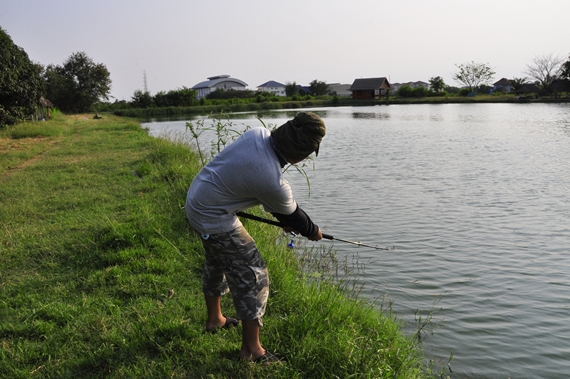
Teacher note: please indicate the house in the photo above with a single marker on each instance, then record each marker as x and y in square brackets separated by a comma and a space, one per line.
[224, 82]
[503, 85]
[396, 86]
[558, 86]
[339, 89]
[528, 88]
[274, 87]
[370, 88]
[418, 84]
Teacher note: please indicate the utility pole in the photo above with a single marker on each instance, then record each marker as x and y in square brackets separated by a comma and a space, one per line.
[144, 77]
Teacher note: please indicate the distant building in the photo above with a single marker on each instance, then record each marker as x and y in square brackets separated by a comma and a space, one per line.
[274, 87]
[528, 88]
[224, 82]
[558, 86]
[340, 89]
[396, 86]
[370, 88]
[419, 83]
[503, 85]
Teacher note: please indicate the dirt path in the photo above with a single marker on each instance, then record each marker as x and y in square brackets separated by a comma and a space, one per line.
[23, 144]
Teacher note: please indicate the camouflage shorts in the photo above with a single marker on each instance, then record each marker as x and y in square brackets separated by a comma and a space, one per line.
[234, 264]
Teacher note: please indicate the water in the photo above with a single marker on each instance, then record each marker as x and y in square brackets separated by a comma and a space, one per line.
[476, 200]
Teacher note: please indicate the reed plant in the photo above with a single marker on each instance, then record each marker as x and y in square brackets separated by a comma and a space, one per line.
[100, 273]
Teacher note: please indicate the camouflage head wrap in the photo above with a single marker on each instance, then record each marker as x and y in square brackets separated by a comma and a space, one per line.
[299, 137]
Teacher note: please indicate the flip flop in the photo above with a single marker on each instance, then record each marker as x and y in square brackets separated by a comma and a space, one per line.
[267, 359]
[230, 323]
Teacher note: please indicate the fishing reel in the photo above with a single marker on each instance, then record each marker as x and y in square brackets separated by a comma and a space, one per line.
[291, 243]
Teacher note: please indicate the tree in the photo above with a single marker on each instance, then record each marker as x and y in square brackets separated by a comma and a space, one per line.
[436, 84]
[474, 74]
[79, 84]
[318, 88]
[185, 97]
[485, 88]
[565, 69]
[544, 69]
[181, 97]
[451, 89]
[20, 82]
[231, 93]
[290, 89]
[518, 83]
[141, 99]
[405, 91]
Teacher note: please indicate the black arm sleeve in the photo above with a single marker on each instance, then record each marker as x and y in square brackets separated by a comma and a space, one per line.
[299, 221]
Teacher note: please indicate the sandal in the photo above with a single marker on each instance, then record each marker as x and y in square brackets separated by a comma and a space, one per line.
[267, 359]
[230, 323]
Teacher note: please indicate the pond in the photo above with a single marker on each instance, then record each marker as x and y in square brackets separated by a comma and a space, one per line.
[475, 198]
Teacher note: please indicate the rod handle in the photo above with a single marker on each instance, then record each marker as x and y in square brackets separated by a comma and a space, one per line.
[328, 236]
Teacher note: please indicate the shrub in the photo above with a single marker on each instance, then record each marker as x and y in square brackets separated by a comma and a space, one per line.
[420, 92]
[405, 91]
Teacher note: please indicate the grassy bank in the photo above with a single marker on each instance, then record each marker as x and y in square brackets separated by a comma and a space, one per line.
[100, 274]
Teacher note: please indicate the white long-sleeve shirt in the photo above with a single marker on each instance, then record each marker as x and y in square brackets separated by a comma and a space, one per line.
[244, 174]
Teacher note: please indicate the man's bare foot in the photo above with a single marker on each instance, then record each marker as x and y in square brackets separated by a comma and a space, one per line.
[223, 322]
[251, 355]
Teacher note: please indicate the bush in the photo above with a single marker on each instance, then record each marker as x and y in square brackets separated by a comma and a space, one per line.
[420, 92]
[464, 91]
[230, 94]
[405, 91]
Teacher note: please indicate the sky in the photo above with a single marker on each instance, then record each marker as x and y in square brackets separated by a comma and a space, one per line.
[179, 43]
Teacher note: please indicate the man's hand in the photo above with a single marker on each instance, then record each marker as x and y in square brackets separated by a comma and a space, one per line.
[316, 237]
[288, 229]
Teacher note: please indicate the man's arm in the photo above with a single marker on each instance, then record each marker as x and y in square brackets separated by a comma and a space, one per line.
[300, 222]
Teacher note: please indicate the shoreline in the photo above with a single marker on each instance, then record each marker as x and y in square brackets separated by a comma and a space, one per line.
[149, 113]
[101, 272]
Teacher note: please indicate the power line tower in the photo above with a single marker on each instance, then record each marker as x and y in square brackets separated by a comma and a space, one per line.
[144, 78]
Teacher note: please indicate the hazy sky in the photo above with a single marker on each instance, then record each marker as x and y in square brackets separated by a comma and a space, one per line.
[182, 42]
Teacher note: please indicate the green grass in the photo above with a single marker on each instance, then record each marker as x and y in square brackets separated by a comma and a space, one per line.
[100, 273]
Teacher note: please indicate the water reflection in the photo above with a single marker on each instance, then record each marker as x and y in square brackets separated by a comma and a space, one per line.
[371, 115]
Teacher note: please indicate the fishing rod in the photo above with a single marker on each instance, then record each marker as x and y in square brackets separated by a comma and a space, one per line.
[325, 236]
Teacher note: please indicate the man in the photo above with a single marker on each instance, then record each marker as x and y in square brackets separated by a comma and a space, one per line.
[247, 173]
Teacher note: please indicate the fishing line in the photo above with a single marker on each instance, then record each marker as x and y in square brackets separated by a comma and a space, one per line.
[325, 236]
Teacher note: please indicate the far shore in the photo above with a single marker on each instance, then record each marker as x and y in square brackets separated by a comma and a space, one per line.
[326, 101]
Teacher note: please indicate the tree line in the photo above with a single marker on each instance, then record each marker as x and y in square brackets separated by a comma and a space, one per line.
[75, 86]
[475, 77]
[186, 97]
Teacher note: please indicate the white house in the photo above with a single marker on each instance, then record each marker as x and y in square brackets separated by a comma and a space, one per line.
[419, 83]
[224, 82]
[272, 86]
[340, 89]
